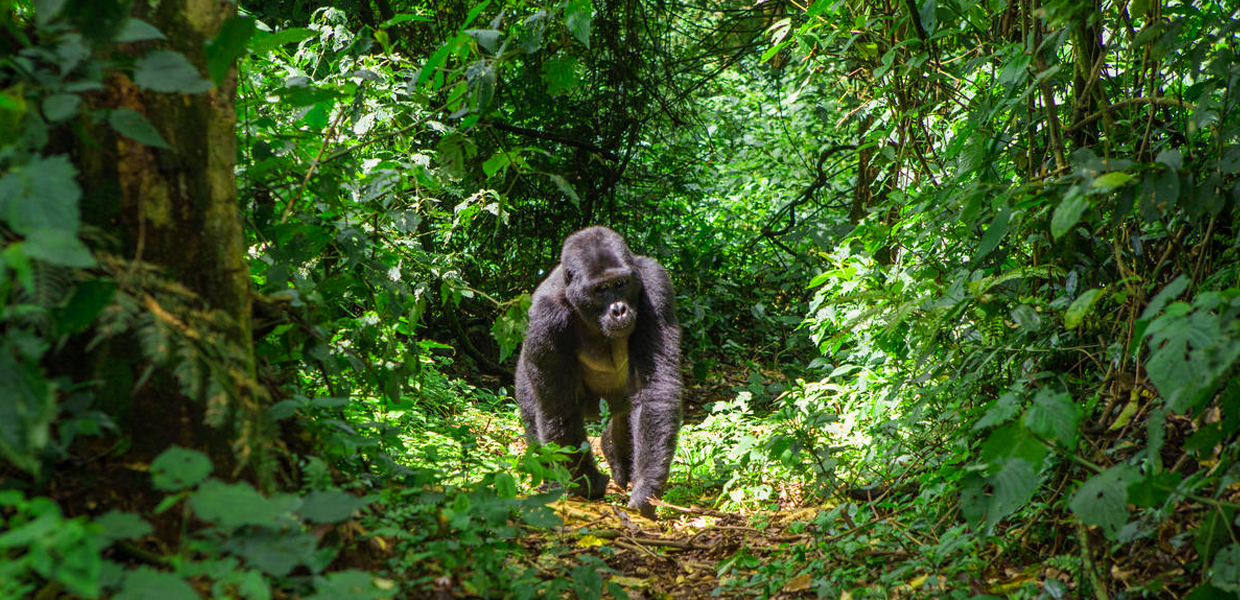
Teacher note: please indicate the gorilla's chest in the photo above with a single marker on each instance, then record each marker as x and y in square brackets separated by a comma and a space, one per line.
[605, 369]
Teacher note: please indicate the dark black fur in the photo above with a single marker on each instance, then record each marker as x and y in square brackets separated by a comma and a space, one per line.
[603, 325]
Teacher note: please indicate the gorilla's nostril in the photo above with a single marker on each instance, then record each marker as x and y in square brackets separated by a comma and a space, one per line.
[619, 309]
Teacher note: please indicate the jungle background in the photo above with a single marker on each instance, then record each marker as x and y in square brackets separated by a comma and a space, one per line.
[959, 282]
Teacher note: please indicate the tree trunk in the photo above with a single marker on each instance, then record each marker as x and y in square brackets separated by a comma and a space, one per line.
[181, 252]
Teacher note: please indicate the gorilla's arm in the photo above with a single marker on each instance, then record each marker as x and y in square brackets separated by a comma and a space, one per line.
[656, 405]
[546, 385]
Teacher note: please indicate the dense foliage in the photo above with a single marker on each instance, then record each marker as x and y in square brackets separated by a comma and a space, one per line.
[959, 283]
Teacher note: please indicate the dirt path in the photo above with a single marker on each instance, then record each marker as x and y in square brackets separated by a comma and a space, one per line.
[679, 555]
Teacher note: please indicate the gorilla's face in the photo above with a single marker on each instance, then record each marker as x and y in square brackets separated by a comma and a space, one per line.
[602, 285]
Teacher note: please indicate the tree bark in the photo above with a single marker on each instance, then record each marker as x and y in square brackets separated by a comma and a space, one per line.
[181, 251]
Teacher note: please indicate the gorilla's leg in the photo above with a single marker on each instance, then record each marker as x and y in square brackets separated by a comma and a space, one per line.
[618, 448]
[568, 430]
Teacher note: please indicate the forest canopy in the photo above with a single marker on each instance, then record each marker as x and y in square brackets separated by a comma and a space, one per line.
[958, 286]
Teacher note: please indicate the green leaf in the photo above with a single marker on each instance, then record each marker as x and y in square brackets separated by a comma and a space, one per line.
[169, 71]
[1009, 489]
[1171, 157]
[487, 39]
[566, 189]
[46, 10]
[133, 125]
[438, 58]
[560, 74]
[276, 552]
[577, 17]
[329, 506]
[1054, 416]
[1014, 485]
[137, 30]
[1169, 292]
[179, 468]
[145, 583]
[229, 44]
[351, 584]
[1102, 500]
[498, 162]
[60, 107]
[58, 247]
[26, 411]
[231, 505]
[1000, 412]
[86, 302]
[1110, 181]
[119, 525]
[1068, 213]
[995, 233]
[1225, 569]
[1080, 308]
[42, 195]
[404, 18]
[540, 516]
[262, 42]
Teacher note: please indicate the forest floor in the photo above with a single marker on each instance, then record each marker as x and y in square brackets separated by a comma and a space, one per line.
[680, 556]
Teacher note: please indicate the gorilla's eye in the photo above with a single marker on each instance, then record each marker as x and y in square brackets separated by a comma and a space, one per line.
[622, 282]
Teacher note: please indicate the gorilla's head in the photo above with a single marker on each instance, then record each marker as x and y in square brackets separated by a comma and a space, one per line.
[602, 284]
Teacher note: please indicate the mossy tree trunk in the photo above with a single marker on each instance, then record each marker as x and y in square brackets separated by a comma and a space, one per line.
[179, 252]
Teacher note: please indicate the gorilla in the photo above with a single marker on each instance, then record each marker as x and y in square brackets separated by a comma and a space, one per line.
[603, 325]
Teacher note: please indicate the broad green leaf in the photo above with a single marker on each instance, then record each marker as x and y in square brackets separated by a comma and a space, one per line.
[1014, 484]
[42, 195]
[351, 584]
[540, 516]
[1191, 352]
[26, 411]
[587, 582]
[1225, 569]
[577, 17]
[1103, 499]
[438, 58]
[59, 107]
[86, 302]
[498, 162]
[487, 39]
[995, 233]
[560, 74]
[274, 551]
[1110, 181]
[58, 247]
[1080, 308]
[169, 71]
[1172, 158]
[179, 468]
[119, 525]
[145, 583]
[231, 505]
[1068, 213]
[1169, 292]
[566, 188]
[137, 30]
[329, 506]
[1026, 317]
[133, 125]
[404, 18]
[261, 42]
[1016, 71]
[228, 45]
[1054, 416]
[1001, 411]
[46, 10]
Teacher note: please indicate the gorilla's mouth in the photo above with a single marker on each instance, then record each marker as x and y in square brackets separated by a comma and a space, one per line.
[621, 326]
